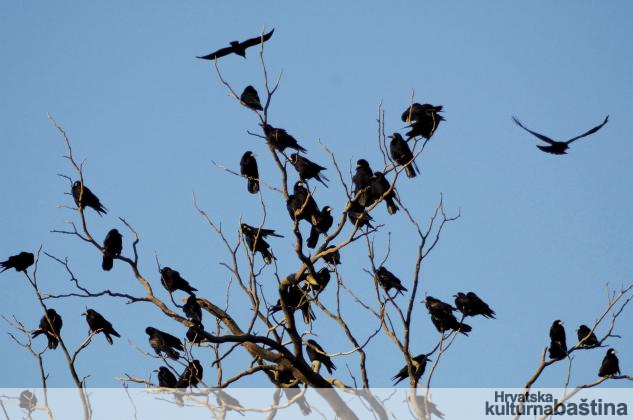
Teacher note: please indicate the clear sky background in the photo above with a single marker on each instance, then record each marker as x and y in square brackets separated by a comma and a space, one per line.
[539, 238]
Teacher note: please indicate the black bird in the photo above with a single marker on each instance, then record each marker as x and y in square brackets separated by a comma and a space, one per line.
[97, 323]
[51, 326]
[112, 247]
[248, 169]
[316, 353]
[332, 258]
[250, 98]
[28, 400]
[295, 298]
[558, 345]
[191, 376]
[610, 364]
[388, 281]
[424, 119]
[20, 262]
[192, 309]
[590, 339]
[362, 181]
[172, 281]
[419, 364]
[280, 139]
[196, 334]
[401, 154]
[237, 47]
[224, 399]
[301, 204]
[166, 379]
[308, 169]
[163, 342]
[320, 281]
[470, 304]
[357, 214]
[428, 407]
[284, 379]
[558, 147]
[322, 223]
[442, 316]
[379, 186]
[85, 198]
[254, 238]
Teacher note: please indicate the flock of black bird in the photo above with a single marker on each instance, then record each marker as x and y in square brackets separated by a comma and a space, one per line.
[369, 188]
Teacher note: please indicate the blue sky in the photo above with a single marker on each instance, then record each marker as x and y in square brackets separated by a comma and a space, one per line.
[539, 238]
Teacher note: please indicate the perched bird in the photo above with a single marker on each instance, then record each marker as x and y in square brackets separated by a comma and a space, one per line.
[112, 247]
[401, 154]
[284, 379]
[586, 338]
[280, 139]
[97, 323]
[85, 198]
[320, 281]
[192, 309]
[388, 281]
[28, 400]
[166, 379]
[301, 204]
[419, 364]
[362, 182]
[250, 98]
[20, 262]
[295, 297]
[191, 376]
[317, 354]
[163, 342]
[237, 47]
[254, 238]
[610, 364]
[470, 304]
[332, 258]
[558, 345]
[308, 169]
[51, 326]
[558, 147]
[379, 186]
[172, 281]
[424, 119]
[223, 399]
[322, 223]
[196, 334]
[357, 214]
[428, 407]
[442, 316]
[248, 169]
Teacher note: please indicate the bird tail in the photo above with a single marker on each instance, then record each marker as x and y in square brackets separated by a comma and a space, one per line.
[268, 257]
[330, 366]
[410, 170]
[36, 332]
[464, 328]
[308, 314]
[391, 206]
[52, 342]
[107, 263]
[172, 354]
[107, 336]
[313, 238]
[253, 186]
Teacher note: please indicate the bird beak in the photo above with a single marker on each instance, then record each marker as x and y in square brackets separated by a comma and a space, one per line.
[84, 314]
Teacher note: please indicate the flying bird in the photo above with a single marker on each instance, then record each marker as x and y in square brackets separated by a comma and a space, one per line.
[97, 323]
[50, 326]
[586, 338]
[379, 186]
[558, 147]
[317, 354]
[237, 47]
[419, 364]
[254, 238]
[362, 182]
[424, 119]
[470, 304]
[388, 281]
[20, 262]
[191, 376]
[163, 342]
[558, 345]
[280, 139]
[112, 247]
[85, 198]
[172, 281]
[248, 169]
[610, 364]
[401, 154]
[308, 169]
[322, 223]
[250, 99]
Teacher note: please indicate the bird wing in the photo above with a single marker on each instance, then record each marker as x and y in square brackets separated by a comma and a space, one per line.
[217, 54]
[540, 136]
[269, 232]
[257, 40]
[593, 130]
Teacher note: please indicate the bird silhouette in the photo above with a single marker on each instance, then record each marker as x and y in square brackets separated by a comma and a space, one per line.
[308, 169]
[470, 304]
[610, 364]
[586, 338]
[50, 326]
[558, 345]
[248, 169]
[424, 119]
[163, 342]
[85, 198]
[112, 247]
[558, 147]
[250, 98]
[20, 262]
[316, 353]
[254, 238]
[322, 223]
[280, 139]
[379, 186]
[419, 364]
[97, 323]
[388, 280]
[172, 281]
[237, 47]
[401, 154]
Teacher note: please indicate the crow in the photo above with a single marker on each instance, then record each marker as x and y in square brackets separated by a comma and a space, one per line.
[332, 258]
[401, 154]
[308, 169]
[470, 304]
[388, 281]
[379, 186]
[284, 379]
[28, 400]
[428, 407]
[320, 281]
[357, 214]
[192, 309]
[280, 139]
[254, 238]
[301, 204]
[112, 247]
[166, 379]
[558, 345]
[586, 338]
[558, 147]
[610, 364]
[191, 376]
[317, 354]
[424, 119]
[248, 169]
[250, 99]
[85, 198]
[20, 262]
[237, 47]
[323, 222]
[419, 364]
[163, 342]
[196, 334]
[442, 316]
[172, 281]
[51, 326]
[295, 298]
[224, 399]
[362, 181]
[97, 323]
